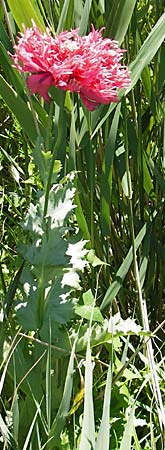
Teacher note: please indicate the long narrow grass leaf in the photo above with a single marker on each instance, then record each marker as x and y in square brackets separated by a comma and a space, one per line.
[120, 18]
[48, 383]
[29, 435]
[7, 436]
[123, 270]
[85, 17]
[63, 16]
[11, 351]
[24, 11]
[87, 441]
[106, 179]
[128, 432]
[15, 406]
[19, 108]
[62, 413]
[103, 438]
[148, 50]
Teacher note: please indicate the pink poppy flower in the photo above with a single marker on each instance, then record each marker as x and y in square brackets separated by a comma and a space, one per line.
[88, 65]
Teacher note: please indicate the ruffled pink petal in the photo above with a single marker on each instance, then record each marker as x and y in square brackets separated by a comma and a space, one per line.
[40, 84]
[98, 96]
[91, 105]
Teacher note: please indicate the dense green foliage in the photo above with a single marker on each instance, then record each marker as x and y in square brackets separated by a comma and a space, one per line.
[82, 260]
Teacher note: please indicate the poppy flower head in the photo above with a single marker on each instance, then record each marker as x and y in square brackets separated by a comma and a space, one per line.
[88, 65]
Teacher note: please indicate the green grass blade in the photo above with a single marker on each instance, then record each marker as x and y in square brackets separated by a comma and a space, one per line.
[48, 383]
[12, 290]
[119, 19]
[19, 108]
[59, 421]
[103, 438]
[12, 76]
[159, 178]
[148, 50]
[147, 179]
[81, 218]
[9, 356]
[87, 440]
[63, 16]
[85, 17]
[25, 10]
[7, 436]
[136, 441]
[28, 439]
[15, 406]
[12, 161]
[145, 257]
[123, 270]
[106, 179]
[4, 38]
[128, 432]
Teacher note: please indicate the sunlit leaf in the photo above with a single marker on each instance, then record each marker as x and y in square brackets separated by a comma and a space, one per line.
[24, 11]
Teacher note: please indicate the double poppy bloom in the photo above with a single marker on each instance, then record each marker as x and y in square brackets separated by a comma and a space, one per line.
[88, 65]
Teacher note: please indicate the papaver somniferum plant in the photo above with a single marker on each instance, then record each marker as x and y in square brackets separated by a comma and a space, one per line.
[88, 65]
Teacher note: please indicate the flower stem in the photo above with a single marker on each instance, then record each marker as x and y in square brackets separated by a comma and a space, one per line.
[48, 131]
[92, 168]
[57, 147]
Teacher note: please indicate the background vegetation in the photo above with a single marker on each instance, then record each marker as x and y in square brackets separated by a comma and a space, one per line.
[82, 260]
